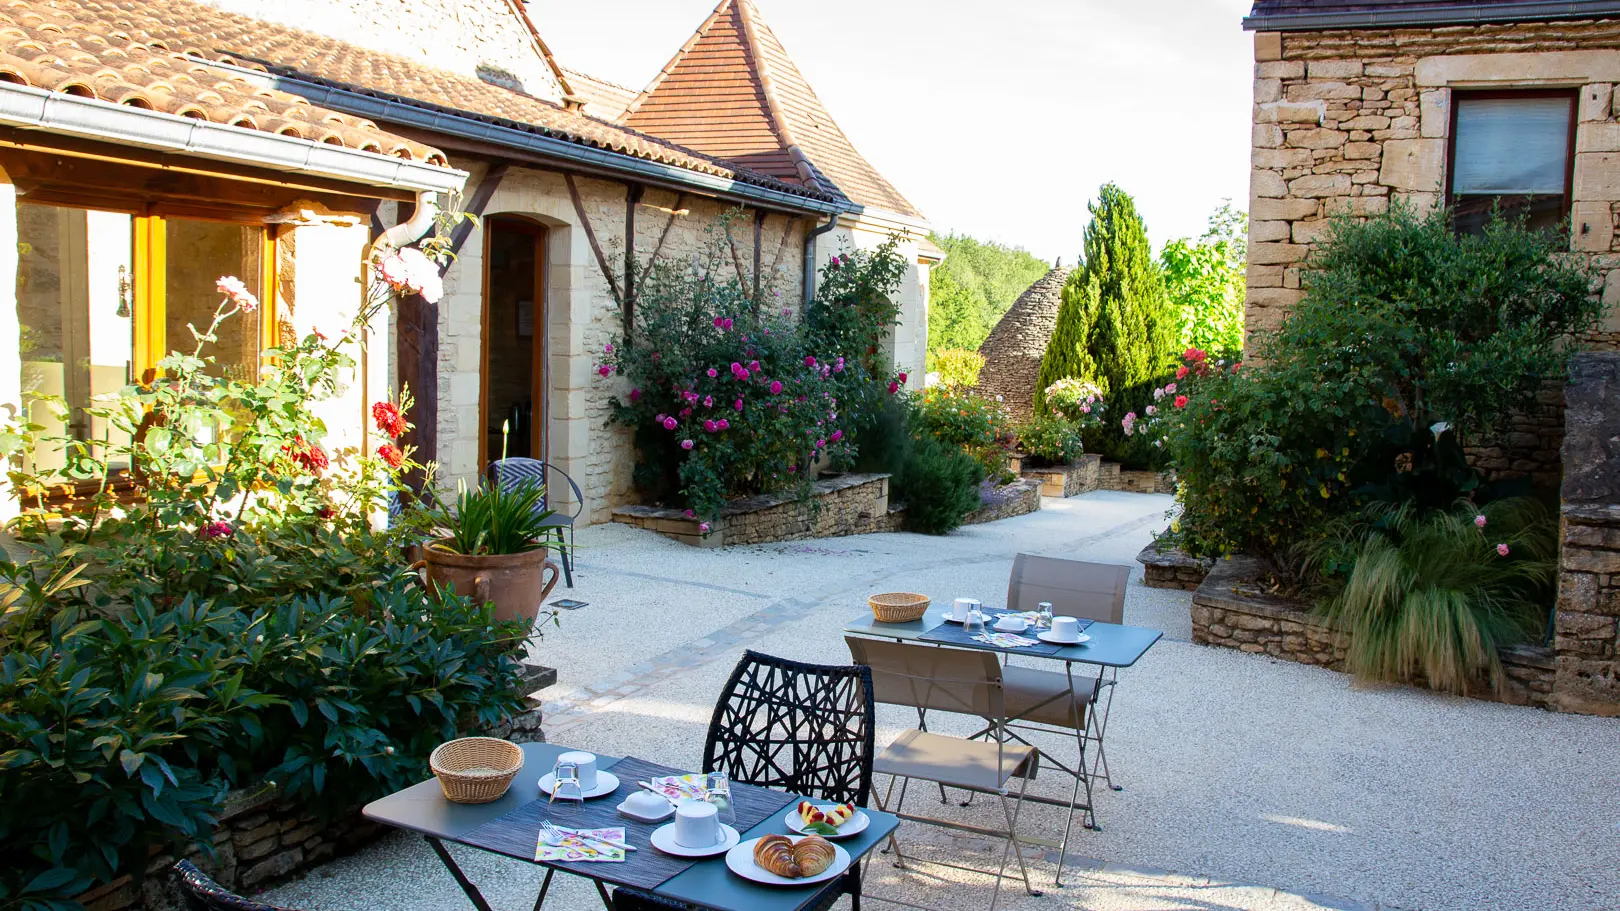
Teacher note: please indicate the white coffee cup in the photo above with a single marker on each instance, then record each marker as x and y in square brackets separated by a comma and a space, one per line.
[961, 606]
[1011, 624]
[697, 824]
[586, 762]
[1066, 629]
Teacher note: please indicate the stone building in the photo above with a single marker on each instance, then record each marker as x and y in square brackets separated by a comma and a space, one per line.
[573, 206]
[1013, 350]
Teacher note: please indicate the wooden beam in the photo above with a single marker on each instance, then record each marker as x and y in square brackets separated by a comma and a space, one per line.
[590, 235]
[759, 225]
[632, 196]
[475, 206]
[736, 258]
[674, 213]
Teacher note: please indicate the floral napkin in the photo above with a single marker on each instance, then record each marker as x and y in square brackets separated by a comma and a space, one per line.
[578, 850]
[680, 787]
[1029, 616]
[1005, 640]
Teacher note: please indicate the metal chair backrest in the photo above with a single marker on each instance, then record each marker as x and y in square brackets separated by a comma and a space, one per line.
[803, 728]
[517, 470]
[203, 894]
[929, 677]
[1090, 591]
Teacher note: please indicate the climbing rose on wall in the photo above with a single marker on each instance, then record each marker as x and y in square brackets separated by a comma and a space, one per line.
[410, 271]
[389, 419]
[233, 288]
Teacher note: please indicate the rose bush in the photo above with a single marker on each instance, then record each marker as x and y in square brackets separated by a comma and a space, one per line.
[732, 396]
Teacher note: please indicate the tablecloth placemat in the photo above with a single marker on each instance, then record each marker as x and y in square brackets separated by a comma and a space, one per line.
[954, 634]
[516, 833]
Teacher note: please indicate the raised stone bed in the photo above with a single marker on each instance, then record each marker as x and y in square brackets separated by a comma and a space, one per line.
[1112, 476]
[1170, 568]
[1227, 611]
[853, 504]
[1015, 499]
[1069, 480]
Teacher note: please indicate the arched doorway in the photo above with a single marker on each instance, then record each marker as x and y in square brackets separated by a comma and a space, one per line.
[513, 376]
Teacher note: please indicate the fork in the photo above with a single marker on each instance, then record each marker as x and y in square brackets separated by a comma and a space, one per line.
[555, 836]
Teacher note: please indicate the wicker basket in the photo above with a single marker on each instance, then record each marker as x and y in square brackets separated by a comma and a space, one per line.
[898, 607]
[476, 769]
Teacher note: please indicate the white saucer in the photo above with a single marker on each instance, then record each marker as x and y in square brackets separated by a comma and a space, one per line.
[606, 783]
[949, 619]
[741, 861]
[1046, 636]
[669, 808]
[663, 838]
[852, 826]
[1016, 632]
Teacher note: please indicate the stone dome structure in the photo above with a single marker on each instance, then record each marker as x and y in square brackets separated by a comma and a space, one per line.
[1013, 352]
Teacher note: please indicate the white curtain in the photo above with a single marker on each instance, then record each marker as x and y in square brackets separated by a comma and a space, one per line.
[1511, 146]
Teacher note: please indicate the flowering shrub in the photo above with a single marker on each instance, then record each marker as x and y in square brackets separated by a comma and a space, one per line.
[957, 366]
[219, 611]
[729, 395]
[1076, 401]
[1050, 440]
[972, 423]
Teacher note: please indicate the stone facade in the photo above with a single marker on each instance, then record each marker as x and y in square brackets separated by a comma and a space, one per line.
[1345, 121]
[1228, 613]
[1171, 568]
[1115, 477]
[1014, 349]
[1077, 477]
[1587, 624]
[852, 504]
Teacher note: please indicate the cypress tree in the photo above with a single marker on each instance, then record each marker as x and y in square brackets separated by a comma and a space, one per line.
[1116, 326]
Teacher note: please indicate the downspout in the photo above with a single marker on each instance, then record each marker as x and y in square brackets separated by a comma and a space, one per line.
[416, 227]
[810, 259]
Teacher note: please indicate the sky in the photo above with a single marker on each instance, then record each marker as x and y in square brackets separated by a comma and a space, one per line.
[996, 118]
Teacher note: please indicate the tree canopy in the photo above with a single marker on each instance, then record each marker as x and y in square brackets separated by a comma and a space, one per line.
[971, 290]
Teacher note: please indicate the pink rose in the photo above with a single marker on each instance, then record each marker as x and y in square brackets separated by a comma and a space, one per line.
[719, 323]
[685, 413]
[1502, 549]
[1181, 373]
[703, 527]
[1169, 388]
[713, 373]
[1479, 521]
[902, 377]
[635, 395]
[710, 426]
[660, 418]
[737, 404]
[687, 444]
[669, 423]
[708, 401]
[605, 370]
[821, 444]
[233, 288]
[736, 368]
[690, 514]
[1150, 409]
[809, 361]
[742, 374]
[893, 388]
[836, 436]
[726, 324]
[754, 366]
[776, 387]
[724, 424]
[608, 348]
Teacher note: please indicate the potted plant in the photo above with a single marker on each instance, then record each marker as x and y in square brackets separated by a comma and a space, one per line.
[496, 549]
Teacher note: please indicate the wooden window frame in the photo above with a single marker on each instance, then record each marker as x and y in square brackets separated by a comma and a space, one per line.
[1459, 95]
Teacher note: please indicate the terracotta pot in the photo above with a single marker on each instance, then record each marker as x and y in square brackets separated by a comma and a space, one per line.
[515, 583]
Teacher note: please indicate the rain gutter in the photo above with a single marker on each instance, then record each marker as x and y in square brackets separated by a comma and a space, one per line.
[810, 257]
[30, 108]
[1472, 14]
[387, 110]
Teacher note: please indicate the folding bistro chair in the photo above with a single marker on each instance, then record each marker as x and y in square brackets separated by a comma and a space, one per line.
[803, 728]
[951, 680]
[510, 472]
[203, 894]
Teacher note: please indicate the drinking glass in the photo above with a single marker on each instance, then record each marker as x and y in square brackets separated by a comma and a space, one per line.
[1044, 620]
[567, 785]
[974, 622]
[717, 791]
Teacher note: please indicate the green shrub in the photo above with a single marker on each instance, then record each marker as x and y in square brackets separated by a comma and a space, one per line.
[1116, 327]
[1409, 341]
[1205, 280]
[1429, 595]
[939, 485]
[957, 366]
[1050, 440]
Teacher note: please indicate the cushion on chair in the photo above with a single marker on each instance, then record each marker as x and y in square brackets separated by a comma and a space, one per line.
[1043, 696]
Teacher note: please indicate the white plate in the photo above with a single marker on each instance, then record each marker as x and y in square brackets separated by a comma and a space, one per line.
[663, 838]
[741, 861]
[949, 619]
[1024, 628]
[669, 808]
[606, 783]
[1046, 636]
[852, 826]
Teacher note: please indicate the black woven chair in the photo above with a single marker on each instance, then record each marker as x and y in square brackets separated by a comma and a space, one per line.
[513, 471]
[819, 742]
[203, 894]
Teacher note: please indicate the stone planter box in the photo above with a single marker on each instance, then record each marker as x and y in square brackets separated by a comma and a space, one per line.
[1171, 568]
[852, 504]
[1112, 476]
[1226, 613]
[1015, 499]
[1069, 480]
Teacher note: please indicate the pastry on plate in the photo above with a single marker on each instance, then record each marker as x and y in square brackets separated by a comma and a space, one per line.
[775, 854]
[814, 854]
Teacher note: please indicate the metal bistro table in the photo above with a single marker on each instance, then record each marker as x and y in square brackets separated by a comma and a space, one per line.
[707, 883]
[1112, 646]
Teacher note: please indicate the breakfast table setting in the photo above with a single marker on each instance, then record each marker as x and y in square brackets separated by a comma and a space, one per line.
[628, 822]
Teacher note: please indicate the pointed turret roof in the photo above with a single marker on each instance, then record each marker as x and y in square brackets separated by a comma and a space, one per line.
[1013, 351]
[732, 91]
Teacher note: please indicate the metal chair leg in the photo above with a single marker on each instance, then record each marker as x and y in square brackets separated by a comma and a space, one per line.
[568, 559]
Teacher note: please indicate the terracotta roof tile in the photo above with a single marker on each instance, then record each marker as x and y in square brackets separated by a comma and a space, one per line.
[206, 32]
[58, 48]
[733, 91]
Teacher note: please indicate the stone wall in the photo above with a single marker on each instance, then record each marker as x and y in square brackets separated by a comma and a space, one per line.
[1587, 623]
[1073, 479]
[1016, 499]
[1115, 477]
[1170, 568]
[1230, 613]
[852, 504]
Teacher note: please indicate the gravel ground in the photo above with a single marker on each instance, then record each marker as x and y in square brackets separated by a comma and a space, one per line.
[1267, 786]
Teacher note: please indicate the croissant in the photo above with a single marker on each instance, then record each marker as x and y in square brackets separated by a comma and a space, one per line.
[775, 853]
[814, 854]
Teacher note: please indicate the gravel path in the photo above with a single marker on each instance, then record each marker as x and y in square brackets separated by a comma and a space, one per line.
[1267, 786]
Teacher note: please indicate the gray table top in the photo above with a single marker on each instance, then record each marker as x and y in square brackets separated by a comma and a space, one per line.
[1111, 645]
[707, 883]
